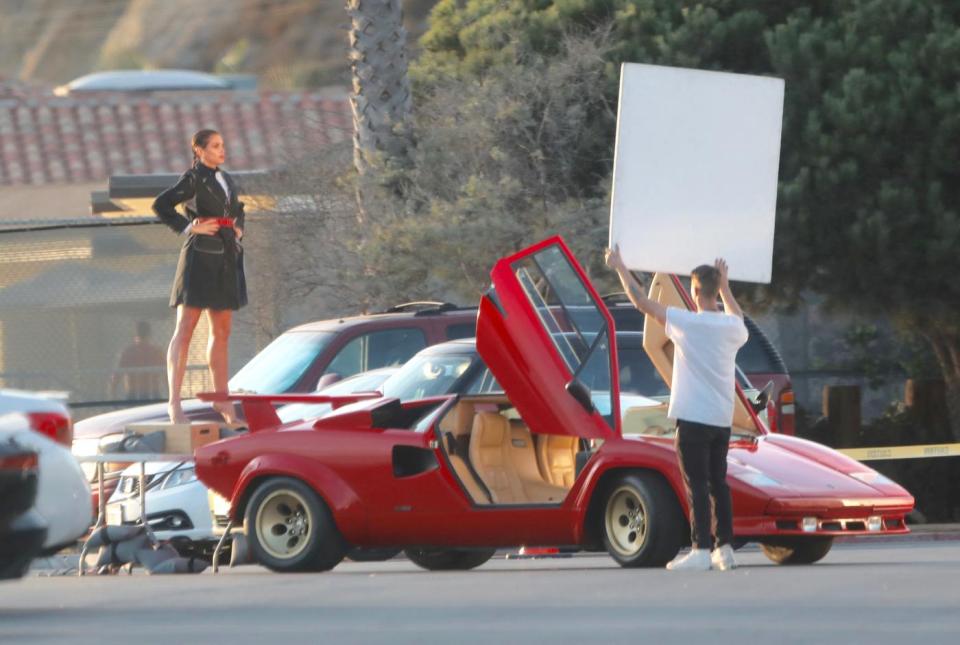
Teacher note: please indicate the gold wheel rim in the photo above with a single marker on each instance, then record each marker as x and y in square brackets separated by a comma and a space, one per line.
[283, 524]
[626, 521]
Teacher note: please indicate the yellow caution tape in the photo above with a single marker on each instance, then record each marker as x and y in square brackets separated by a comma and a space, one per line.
[904, 452]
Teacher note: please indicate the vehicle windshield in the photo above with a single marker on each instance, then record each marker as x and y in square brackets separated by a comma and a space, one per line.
[364, 382]
[281, 364]
[427, 375]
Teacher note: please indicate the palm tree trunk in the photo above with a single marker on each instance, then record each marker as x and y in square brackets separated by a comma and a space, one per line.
[381, 99]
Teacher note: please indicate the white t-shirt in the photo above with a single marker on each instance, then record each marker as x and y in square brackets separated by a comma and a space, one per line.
[704, 364]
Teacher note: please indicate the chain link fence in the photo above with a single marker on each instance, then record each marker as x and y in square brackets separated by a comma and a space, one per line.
[84, 311]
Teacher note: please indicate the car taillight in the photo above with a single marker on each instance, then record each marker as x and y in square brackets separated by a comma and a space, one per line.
[787, 413]
[771, 416]
[54, 425]
[22, 462]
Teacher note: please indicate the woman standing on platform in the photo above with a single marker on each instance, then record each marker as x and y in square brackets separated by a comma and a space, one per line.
[210, 270]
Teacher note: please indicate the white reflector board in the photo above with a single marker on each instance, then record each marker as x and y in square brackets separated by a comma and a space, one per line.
[695, 170]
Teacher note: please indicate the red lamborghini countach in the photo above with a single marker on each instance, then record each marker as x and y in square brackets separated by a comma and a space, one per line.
[559, 458]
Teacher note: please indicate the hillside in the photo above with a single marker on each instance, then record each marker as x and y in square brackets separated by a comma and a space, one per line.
[287, 43]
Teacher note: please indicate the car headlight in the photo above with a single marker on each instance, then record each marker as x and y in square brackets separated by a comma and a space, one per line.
[179, 477]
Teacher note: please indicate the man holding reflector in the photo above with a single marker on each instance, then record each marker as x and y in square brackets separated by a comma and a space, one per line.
[701, 400]
[695, 176]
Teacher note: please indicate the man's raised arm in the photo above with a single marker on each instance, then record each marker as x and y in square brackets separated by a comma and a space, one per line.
[634, 289]
[730, 304]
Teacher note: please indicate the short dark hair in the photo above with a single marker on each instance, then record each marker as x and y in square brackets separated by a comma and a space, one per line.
[709, 279]
[201, 139]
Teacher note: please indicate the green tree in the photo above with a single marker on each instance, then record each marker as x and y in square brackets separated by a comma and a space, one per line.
[867, 213]
[514, 124]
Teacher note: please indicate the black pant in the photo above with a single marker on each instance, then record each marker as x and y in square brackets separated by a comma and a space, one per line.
[702, 453]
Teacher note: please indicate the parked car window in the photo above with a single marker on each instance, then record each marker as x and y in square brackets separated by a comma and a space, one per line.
[282, 363]
[461, 330]
[484, 383]
[363, 382]
[758, 355]
[376, 349]
[426, 375]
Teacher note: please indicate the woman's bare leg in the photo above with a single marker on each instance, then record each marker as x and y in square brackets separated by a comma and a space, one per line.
[218, 356]
[187, 318]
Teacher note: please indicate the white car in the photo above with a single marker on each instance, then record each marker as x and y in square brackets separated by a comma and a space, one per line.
[43, 425]
[177, 504]
[176, 501]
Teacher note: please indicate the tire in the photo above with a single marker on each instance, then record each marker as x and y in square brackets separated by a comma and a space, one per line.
[14, 568]
[289, 528]
[642, 523]
[449, 559]
[797, 550]
[373, 555]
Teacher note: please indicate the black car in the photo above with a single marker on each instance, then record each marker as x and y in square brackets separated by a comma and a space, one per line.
[22, 530]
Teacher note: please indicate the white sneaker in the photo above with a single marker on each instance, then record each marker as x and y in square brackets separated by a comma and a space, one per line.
[722, 558]
[696, 560]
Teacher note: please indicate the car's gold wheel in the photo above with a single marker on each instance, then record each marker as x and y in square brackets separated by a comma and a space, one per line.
[290, 528]
[626, 521]
[641, 520]
[283, 524]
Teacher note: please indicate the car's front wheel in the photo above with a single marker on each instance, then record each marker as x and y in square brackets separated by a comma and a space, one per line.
[290, 528]
[796, 549]
[449, 559]
[642, 521]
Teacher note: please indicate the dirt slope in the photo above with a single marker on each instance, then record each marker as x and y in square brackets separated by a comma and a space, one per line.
[288, 43]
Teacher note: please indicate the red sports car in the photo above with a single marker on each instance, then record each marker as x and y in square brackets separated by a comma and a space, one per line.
[559, 458]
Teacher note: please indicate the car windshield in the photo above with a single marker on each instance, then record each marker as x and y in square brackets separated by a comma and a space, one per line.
[281, 364]
[427, 375]
[364, 382]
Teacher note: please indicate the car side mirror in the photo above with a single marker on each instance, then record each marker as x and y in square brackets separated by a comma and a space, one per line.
[763, 397]
[581, 394]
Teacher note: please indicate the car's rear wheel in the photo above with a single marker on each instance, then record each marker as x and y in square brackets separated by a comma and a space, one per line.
[449, 559]
[642, 521]
[796, 549]
[290, 528]
[372, 555]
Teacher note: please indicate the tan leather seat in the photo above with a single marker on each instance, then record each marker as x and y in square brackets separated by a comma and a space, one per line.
[467, 479]
[488, 441]
[557, 455]
[504, 457]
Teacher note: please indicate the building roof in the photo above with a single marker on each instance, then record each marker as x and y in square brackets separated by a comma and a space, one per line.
[143, 80]
[47, 139]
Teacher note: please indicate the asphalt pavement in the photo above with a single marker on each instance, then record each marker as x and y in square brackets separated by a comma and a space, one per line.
[862, 592]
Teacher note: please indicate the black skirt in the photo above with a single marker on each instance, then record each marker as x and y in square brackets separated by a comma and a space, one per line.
[210, 272]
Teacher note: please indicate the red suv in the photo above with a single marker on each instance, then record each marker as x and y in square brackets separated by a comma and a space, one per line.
[307, 357]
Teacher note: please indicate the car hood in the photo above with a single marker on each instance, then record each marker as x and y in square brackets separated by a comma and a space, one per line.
[799, 468]
[112, 422]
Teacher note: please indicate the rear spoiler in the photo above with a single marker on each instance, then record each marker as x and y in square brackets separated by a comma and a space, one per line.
[259, 410]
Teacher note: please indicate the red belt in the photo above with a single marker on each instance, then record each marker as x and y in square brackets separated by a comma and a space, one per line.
[221, 221]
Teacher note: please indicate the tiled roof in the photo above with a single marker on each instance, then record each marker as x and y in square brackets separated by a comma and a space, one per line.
[45, 139]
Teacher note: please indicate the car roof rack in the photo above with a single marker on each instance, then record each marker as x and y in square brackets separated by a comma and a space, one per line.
[421, 307]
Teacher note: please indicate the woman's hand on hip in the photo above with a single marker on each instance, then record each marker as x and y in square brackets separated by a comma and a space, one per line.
[204, 226]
